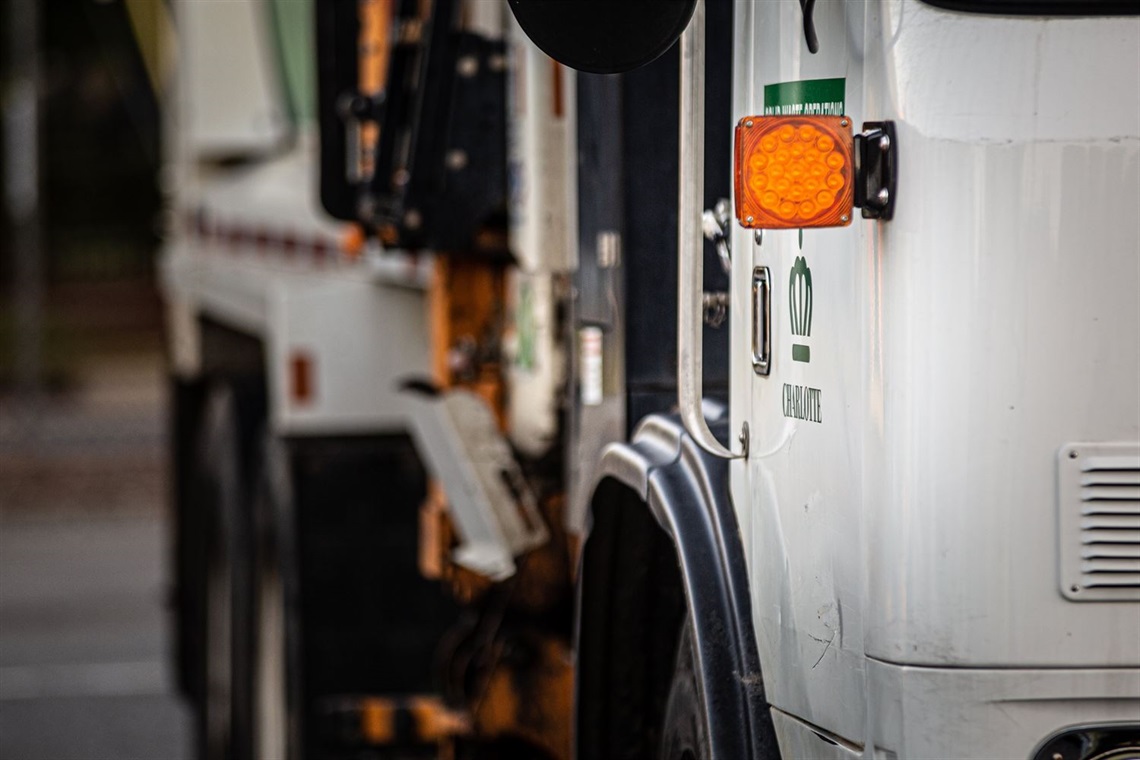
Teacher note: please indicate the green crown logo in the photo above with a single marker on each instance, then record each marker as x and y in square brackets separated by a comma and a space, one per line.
[800, 306]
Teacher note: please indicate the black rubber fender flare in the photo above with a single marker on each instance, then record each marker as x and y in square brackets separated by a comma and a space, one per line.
[685, 490]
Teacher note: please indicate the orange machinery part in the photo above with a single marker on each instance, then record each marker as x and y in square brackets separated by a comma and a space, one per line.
[373, 55]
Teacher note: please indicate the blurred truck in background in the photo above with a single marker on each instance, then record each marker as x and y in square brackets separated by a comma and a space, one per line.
[446, 482]
[384, 452]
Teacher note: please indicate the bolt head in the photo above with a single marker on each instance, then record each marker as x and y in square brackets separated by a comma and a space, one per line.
[456, 159]
[467, 66]
[885, 143]
[749, 219]
[748, 123]
[366, 206]
[883, 196]
[844, 122]
[845, 218]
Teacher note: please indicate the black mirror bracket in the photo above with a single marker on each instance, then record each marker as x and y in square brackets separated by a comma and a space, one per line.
[876, 169]
[358, 107]
[810, 37]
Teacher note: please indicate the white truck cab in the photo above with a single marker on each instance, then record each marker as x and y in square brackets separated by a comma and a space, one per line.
[933, 425]
[939, 502]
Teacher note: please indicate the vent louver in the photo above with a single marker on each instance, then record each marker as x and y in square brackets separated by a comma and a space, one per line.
[1099, 503]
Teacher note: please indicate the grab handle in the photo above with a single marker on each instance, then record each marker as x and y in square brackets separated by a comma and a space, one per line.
[690, 238]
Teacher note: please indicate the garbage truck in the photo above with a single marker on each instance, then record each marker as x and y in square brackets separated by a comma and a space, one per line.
[506, 422]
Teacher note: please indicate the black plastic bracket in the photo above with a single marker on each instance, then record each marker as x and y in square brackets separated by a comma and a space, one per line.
[810, 38]
[876, 169]
[354, 105]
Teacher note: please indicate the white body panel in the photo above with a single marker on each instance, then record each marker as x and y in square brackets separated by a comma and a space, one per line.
[360, 336]
[957, 348]
[231, 94]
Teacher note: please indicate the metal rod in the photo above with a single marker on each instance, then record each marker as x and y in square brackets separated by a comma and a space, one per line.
[690, 238]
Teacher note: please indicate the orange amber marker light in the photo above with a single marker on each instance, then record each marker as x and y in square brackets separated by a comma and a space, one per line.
[794, 171]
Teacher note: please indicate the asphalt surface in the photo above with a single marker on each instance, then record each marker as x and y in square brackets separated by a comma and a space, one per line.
[85, 666]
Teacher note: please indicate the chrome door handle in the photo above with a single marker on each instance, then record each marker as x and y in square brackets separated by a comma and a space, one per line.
[690, 238]
[761, 321]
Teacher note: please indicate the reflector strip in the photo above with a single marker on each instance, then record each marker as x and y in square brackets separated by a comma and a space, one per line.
[264, 241]
[300, 378]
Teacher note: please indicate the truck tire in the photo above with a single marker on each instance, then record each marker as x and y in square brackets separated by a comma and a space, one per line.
[275, 673]
[340, 610]
[684, 734]
[220, 494]
[630, 593]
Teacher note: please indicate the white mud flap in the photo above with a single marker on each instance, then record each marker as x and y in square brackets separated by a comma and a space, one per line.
[495, 513]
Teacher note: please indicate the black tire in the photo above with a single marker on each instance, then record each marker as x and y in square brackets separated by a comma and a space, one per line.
[220, 496]
[338, 605]
[685, 734]
[275, 689]
[630, 591]
[188, 538]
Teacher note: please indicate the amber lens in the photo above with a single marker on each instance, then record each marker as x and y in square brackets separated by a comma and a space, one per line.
[794, 171]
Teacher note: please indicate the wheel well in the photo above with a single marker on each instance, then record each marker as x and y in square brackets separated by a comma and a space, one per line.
[665, 543]
[631, 606]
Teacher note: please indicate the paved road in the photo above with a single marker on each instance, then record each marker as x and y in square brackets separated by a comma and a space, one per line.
[84, 666]
[84, 635]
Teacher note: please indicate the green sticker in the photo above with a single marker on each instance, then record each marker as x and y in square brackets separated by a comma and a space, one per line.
[525, 324]
[809, 97]
[800, 307]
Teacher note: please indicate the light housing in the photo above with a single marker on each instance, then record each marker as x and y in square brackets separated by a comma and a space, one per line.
[794, 172]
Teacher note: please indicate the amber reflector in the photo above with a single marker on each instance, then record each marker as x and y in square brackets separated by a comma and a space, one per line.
[301, 378]
[794, 171]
